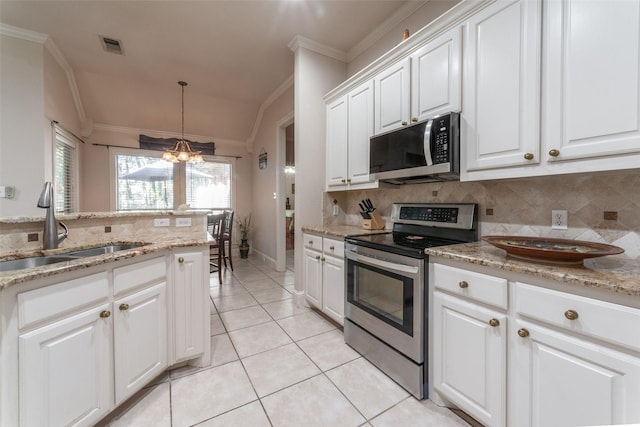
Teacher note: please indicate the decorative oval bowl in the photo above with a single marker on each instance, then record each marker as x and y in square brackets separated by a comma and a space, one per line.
[552, 251]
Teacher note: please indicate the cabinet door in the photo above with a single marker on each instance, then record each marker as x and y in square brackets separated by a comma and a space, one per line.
[436, 76]
[501, 88]
[592, 75]
[333, 287]
[66, 371]
[190, 286]
[360, 105]
[560, 380]
[313, 276]
[392, 91]
[140, 339]
[337, 142]
[469, 357]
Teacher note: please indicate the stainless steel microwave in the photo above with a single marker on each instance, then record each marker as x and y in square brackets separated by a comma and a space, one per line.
[426, 151]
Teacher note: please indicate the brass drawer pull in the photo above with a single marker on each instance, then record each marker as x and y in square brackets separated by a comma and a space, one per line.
[528, 156]
[571, 314]
[463, 284]
[318, 257]
[414, 119]
[124, 307]
[404, 123]
[105, 313]
[331, 248]
[554, 153]
[523, 333]
[180, 260]
[494, 322]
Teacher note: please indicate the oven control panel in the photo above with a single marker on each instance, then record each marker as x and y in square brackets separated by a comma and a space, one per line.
[442, 215]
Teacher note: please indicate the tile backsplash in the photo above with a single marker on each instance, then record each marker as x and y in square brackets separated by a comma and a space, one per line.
[602, 207]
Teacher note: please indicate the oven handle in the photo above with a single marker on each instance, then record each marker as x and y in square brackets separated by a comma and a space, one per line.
[402, 268]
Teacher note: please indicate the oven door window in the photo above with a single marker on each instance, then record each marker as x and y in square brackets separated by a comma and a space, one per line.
[384, 295]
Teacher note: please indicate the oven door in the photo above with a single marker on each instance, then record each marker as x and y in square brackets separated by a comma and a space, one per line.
[385, 296]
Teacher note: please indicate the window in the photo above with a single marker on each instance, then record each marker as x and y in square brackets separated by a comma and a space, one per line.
[146, 182]
[65, 171]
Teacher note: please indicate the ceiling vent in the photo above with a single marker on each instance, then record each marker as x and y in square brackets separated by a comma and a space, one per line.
[111, 45]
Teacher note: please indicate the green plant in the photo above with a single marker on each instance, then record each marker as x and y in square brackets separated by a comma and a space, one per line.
[244, 224]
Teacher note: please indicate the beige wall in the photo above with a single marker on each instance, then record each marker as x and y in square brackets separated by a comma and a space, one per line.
[264, 183]
[22, 124]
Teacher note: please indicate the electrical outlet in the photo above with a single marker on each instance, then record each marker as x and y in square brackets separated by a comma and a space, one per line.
[559, 220]
[161, 222]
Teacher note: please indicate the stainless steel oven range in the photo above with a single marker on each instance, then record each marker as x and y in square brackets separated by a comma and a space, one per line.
[386, 292]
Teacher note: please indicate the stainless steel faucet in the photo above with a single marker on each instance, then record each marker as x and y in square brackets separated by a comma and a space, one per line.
[50, 238]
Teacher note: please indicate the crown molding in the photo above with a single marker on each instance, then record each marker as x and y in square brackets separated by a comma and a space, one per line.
[300, 41]
[73, 87]
[270, 100]
[21, 33]
[163, 134]
[398, 16]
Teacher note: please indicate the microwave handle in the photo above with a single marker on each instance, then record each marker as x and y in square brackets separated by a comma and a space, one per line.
[427, 142]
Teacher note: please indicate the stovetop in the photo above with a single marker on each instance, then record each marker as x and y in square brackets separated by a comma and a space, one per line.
[417, 226]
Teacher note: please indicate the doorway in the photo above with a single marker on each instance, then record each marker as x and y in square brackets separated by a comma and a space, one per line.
[290, 194]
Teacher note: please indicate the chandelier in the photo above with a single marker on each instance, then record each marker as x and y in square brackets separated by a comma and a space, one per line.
[182, 151]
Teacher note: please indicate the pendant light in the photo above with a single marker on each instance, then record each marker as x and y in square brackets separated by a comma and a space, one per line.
[182, 151]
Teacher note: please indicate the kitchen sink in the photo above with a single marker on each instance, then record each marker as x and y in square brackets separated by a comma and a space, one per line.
[31, 262]
[102, 250]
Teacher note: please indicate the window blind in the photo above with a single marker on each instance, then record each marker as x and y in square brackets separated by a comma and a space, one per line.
[65, 171]
[208, 185]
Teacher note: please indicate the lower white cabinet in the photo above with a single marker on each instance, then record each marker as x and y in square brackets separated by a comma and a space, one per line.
[324, 275]
[547, 358]
[469, 361]
[75, 346]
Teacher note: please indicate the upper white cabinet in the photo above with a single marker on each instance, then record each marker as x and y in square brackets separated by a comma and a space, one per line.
[501, 86]
[392, 88]
[591, 79]
[436, 76]
[349, 127]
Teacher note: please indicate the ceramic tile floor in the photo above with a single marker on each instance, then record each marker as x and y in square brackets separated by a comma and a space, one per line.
[275, 364]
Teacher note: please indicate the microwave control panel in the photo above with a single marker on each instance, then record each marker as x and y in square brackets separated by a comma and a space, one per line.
[440, 140]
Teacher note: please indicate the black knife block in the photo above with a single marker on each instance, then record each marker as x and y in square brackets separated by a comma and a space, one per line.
[375, 223]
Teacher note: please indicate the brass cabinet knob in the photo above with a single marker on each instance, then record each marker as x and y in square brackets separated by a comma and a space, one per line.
[528, 156]
[554, 153]
[331, 248]
[180, 260]
[571, 314]
[463, 284]
[494, 322]
[414, 119]
[348, 179]
[343, 181]
[522, 332]
[404, 123]
[124, 307]
[318, 257]
[322, 259]
[105, 313]
[310, 242]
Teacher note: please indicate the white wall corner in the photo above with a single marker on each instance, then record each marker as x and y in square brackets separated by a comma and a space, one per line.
[300, 41]
[263, 107]
[21, 33]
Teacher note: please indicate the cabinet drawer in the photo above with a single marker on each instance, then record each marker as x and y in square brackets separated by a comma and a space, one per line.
[333, 247]
[476, 286]
[599, 319]
[139, 274]
[312, 241]
[63, 298]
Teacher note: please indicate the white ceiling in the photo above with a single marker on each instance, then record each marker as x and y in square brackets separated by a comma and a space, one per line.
[233, 53]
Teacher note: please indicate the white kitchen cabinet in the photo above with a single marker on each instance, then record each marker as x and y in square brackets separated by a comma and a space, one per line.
[500, 122]
[349, 127]
[591, 58]
[469, 344]
[190, 304]
[66, 370]
[436, 73]
[563, 380]
[392, 89]
[140, 339]
[553, 358]
[324, 274]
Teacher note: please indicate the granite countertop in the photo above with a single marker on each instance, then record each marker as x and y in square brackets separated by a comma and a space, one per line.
[14, 277]
[340, 231]
[615, 273]
[101, 215]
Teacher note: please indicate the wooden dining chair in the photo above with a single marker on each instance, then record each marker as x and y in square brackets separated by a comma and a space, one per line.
[226, 239]
[215, 228]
